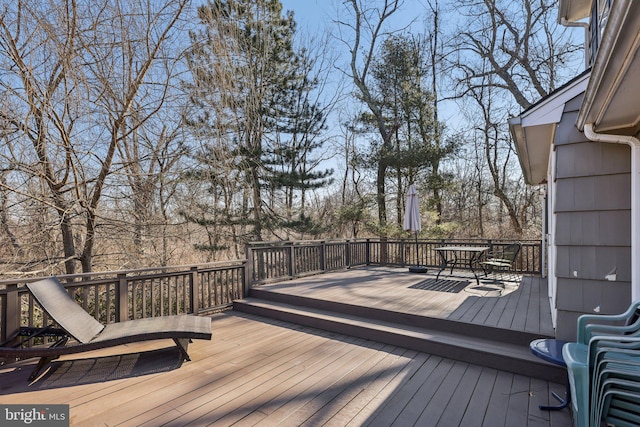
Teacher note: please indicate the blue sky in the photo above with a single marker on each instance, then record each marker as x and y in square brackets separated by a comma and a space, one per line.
[318, 16]
[312, 14]
[315, 17]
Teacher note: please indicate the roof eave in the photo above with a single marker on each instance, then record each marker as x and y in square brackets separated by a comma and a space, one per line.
[611, 96]
[534, 130]
[573, 10]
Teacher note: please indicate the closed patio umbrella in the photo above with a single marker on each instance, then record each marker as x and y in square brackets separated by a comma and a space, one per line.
[412, 222]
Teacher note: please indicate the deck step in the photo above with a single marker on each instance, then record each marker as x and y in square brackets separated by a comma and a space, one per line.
[508, 336]
[477, 349]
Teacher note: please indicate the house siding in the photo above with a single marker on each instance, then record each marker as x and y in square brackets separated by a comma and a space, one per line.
[593, 223]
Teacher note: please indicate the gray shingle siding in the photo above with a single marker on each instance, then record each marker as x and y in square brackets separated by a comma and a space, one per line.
[593, 225]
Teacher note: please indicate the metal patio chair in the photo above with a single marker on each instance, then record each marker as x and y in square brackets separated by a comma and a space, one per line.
[502, 260]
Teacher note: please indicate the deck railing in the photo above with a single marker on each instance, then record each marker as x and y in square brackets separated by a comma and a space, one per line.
[123, 295]
[133, 294]
[273, 261]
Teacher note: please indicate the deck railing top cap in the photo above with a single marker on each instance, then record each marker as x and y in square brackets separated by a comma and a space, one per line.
[116, 273]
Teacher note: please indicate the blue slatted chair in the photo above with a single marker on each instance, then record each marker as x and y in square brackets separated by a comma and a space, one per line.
[594, 331]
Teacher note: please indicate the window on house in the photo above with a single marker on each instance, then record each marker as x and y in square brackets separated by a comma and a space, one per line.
[599, 17]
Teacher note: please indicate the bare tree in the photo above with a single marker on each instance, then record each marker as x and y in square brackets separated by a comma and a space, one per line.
[74, 76]
[367, 28]
[516, 43]
[505, 55]
[149, 157]
[351, 206]
[498, 151]
[435, 54]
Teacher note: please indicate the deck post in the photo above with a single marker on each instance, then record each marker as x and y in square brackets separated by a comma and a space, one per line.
[263, 265]
[540, 260]
[323, 255]
[248, 271]
[368, 255]
[11, 311]
[290, 261]
[122, 301]
[347, 254]
[194, 289]
[294, 271]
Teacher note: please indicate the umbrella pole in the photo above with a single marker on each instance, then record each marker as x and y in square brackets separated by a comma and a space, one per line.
[417, 268]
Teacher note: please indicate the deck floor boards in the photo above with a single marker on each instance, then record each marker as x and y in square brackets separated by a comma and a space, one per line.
[263, 372]
[477, 405]
[513, 302]
[448, 408]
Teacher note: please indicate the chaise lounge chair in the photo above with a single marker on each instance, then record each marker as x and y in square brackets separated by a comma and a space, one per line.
[90, 334]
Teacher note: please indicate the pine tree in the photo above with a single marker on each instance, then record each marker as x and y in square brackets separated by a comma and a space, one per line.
[400, 78]
[250, 102]
[298, 123]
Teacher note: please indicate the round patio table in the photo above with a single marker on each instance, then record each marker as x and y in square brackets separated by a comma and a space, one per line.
[551, 351]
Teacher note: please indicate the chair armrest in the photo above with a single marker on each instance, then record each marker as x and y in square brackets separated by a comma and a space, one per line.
[608, 343]
[584, 354]
[592, 329]
[501, 260]
[583, 336]
[494, 254]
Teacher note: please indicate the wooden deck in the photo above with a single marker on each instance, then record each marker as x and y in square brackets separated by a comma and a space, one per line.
[518, 303]
[258, 371]
[261, 372]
